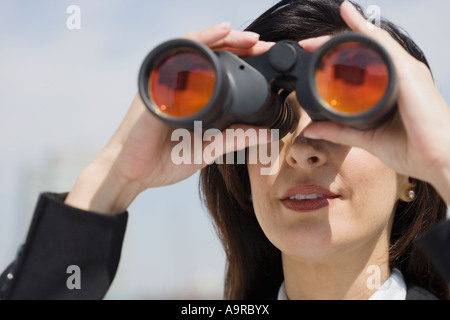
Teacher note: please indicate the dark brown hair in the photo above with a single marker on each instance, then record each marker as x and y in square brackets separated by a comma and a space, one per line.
[254, 268]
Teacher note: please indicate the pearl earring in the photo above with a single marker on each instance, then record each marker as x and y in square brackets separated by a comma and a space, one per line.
[411, 194]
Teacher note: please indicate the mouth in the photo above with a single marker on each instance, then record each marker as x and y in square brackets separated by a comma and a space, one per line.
[308, 198]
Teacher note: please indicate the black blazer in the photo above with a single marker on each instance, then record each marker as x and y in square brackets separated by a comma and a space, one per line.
[61, 236]
[415, 292]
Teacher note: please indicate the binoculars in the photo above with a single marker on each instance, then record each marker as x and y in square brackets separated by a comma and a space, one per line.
[350, 80]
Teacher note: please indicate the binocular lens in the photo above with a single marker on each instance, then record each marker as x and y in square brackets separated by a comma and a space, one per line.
[352, 78]
[182, 83]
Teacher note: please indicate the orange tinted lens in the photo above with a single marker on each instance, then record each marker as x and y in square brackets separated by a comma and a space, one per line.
[352, 78]
[182, 83]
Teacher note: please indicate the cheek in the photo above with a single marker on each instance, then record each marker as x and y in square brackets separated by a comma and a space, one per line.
[260, 184]
[372, 193]
[368, 179]
[263, 203]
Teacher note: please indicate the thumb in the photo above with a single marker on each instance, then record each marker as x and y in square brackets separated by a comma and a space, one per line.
[339, 134]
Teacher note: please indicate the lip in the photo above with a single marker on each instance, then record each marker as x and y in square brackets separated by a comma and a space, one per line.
[326, 196]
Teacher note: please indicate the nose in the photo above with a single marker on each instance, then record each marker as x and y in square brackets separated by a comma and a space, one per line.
[301, 151]
[306, 153]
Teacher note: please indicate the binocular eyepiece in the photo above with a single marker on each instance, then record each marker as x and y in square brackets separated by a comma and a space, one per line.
[350, 80]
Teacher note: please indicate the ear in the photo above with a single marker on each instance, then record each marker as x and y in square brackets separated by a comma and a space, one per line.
[407, 190]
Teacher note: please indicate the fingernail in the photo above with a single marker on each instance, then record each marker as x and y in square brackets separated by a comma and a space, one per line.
[349, 5]
[311, 136]
[305, 41]
[252, 35]
[224, 25]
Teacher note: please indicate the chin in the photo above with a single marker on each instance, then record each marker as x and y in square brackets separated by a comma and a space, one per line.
[313, 242]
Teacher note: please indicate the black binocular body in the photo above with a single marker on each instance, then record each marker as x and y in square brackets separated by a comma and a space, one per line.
[350, 80]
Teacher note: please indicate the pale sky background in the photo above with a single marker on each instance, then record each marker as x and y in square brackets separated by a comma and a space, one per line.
[63, 93]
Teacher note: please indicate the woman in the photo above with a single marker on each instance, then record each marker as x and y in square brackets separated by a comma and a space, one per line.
[372, 215]
[369, 202]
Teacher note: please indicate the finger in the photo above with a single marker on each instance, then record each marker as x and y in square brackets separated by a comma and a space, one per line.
[333, 132]
[241, 136]
[356, 21]
[259, 48]
[236, 39]
[247, 136]
[353, 18]
[235, 138]
[210, 35]
[312, 44]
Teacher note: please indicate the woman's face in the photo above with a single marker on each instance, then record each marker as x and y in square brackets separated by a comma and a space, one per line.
[326, 199]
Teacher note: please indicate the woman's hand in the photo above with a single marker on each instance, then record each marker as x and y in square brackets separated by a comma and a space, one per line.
[138, 156]
[416, 142]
